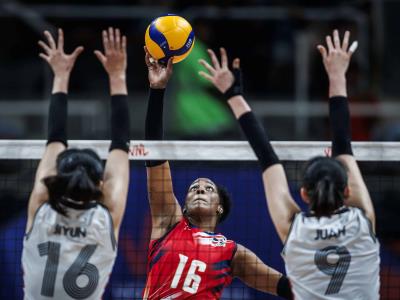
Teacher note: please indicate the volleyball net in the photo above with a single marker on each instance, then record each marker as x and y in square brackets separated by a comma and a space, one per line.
[231, 164]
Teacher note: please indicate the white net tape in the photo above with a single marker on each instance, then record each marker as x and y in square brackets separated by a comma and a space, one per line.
[206, 150]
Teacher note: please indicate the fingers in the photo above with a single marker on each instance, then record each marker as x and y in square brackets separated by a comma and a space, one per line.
[124, 43]
[236, 63]
[214, 59]
[146, 50]
[117, 40]
[346, 41]
[224, 58]
[60, 42]
[44, 47]
[147, 57]
[111, 38]
[77, 52]
[329, 43]
[323, 51]
[100, 56]
[170, 65]
[353, 47]
[149, 60]
[336, 39]
[206, 76]
[44, 57]
[50, 39]
[106, 43]
[207, 66]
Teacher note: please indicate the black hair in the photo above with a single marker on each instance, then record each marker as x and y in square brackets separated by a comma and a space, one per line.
[79, 172]
[325, 180]
[225, 201]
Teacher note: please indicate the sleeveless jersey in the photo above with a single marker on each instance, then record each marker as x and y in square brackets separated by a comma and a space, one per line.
[68, 257]
[333, 257]
[187, 263]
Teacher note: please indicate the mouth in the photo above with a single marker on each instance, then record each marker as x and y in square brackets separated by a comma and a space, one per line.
[199, 199]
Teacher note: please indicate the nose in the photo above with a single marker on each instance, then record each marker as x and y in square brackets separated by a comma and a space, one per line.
[200, 190]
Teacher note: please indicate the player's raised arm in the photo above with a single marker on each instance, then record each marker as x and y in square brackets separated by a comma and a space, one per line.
[61, 64]
[116, 173]
[165, 209]
[280, 203]
[252, 271]
[336, 58]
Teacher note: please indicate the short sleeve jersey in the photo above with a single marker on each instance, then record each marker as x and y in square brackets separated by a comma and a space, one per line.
[187, 263]
[334, 257]
[68, 257]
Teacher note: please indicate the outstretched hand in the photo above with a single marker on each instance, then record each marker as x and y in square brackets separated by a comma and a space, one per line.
[337, 57]
[219, 74]
[114, 58]
[159, 74]
[60, 62]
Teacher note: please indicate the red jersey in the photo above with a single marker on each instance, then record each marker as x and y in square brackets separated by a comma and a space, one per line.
[187, 263]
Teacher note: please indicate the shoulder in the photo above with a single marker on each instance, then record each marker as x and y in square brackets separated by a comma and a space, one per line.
[99, 216]
[157, 243]
[37, 218]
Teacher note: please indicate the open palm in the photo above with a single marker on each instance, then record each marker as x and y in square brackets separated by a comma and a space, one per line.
[60, 62]
[159, 75]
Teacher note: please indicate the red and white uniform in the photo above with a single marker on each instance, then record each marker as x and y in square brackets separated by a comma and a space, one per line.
[187, 263]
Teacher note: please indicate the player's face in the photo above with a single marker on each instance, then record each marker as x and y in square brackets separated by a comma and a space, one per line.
[202, 197]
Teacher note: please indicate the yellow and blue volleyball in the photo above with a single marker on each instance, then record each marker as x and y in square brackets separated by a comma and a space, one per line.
[169, 36]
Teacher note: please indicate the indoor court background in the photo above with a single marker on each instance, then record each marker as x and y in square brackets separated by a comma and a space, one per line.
[285, 84]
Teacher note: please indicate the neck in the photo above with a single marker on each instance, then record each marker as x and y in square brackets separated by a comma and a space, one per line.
[204, 224]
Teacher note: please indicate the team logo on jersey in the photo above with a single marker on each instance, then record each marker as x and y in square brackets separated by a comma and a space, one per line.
[214, 240]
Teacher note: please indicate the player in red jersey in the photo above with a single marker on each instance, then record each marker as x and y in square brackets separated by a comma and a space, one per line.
[186, 259]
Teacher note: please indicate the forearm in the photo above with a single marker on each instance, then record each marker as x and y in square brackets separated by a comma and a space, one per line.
[57, 120]
[253, 272]
[120, 121]
[280, 203]
[340, 126]
[254, 132]
[154, 129]
[238, 106]
[273, 283]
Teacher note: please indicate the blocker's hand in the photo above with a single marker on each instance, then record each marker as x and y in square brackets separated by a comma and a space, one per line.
[114, 59]
[60, 62]
[219, 74]
[337, 57]
[159, 74]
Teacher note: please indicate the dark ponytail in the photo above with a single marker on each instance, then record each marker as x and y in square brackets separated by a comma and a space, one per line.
[79, 173]
[325, 180]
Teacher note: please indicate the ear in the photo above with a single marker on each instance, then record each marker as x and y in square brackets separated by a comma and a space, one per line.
[346, 192]
[101, 184]
[220, 210]
[304, 195]
[184, 210]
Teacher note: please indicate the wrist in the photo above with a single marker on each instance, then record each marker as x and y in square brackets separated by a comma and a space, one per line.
[337, 86]
[118, 84]
[158, 86]
[60, 83]
[236, 88]
[116, 77]
[337, 77]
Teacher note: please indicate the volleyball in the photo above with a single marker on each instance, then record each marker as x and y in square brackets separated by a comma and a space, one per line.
[169, 36]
